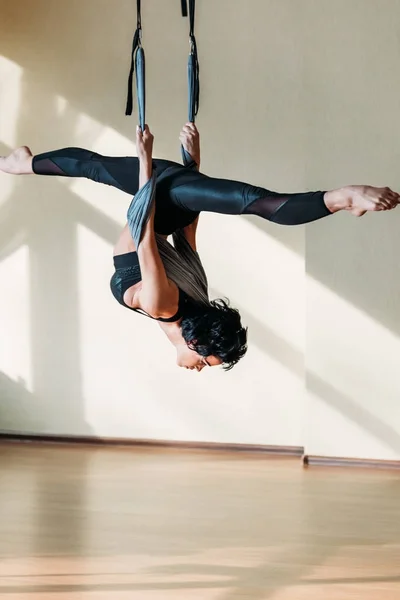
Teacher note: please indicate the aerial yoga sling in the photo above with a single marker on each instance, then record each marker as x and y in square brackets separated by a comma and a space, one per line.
[182, 264]
[180, 192]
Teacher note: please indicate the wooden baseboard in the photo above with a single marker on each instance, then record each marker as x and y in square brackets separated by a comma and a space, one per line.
[329, 461]
[289, 451]
[296, 451]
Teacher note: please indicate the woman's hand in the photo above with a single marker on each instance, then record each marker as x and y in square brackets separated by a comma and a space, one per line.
[190, 139]
[144, 148]
[144, 145]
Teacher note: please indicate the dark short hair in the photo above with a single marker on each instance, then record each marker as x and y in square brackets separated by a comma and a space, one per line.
[215, 330]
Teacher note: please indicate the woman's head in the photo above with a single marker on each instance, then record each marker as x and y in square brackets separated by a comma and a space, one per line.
[213, 335]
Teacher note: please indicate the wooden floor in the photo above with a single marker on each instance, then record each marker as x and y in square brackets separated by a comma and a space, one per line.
[113, 524]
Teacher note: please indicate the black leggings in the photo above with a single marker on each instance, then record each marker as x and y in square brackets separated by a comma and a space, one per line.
[184, 192]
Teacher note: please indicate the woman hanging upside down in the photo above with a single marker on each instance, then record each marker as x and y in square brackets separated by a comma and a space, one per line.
[204, 333]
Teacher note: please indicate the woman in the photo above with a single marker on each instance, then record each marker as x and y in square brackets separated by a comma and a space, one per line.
[205, 334]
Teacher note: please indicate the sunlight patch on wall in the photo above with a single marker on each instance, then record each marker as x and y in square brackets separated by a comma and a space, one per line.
[85, 127]
[92, 135]
[61, 105]
[109, 201]
[113, 143]
[350, 339]
[114, 367]
[352, 361]
[8, 182]
[256, 271]
[10, 77]
[135, 372]
[15, 326]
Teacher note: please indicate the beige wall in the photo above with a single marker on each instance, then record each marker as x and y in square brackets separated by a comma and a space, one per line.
[275, 110]
[353, 274]
[72, 360]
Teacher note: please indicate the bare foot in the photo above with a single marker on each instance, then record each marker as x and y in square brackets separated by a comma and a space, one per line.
[19, 162]
[359, 199]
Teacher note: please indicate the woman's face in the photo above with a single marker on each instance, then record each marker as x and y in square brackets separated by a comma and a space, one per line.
[189, 359]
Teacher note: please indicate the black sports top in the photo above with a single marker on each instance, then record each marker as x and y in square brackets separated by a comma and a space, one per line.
[127, 273]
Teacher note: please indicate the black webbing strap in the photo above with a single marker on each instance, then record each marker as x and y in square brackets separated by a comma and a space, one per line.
[192, 70]
[138, 64]
[184, 8]
[193, 67]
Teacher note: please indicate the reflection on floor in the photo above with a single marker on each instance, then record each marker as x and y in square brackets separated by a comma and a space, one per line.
[93, 523]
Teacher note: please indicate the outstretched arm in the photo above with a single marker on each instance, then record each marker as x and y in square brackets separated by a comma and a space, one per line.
[158, 296]
[190, 139]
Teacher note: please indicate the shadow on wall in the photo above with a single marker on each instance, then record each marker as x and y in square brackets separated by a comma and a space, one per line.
[352, 138]
[362, 256]
[268, 341]
[54, 60]
[16, 400]
[99, 38]
[47, 225]
[87, 60]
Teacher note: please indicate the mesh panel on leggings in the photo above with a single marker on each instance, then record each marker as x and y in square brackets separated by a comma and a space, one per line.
[45, 166]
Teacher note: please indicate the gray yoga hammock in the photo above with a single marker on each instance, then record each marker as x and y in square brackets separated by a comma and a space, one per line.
[182, 264]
